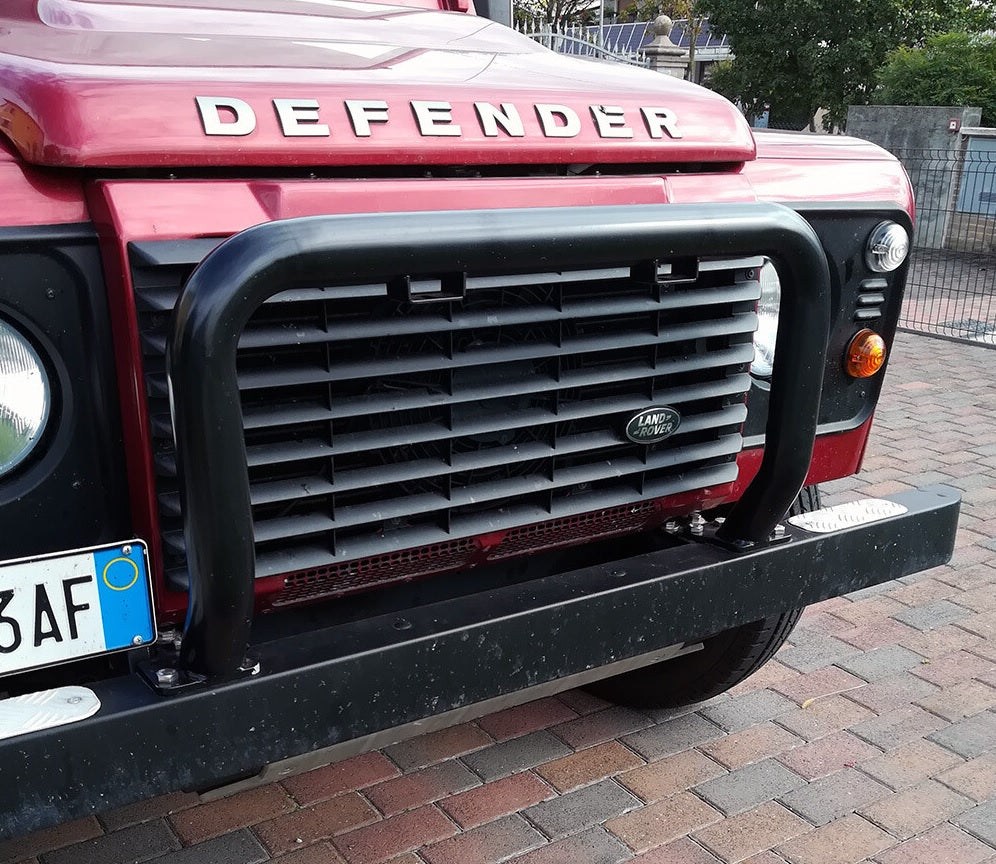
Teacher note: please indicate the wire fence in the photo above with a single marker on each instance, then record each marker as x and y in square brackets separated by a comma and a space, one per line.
[951, 288]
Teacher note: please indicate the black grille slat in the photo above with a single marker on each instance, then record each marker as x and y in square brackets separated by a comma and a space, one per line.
[268, 454]
[350, 406]
[742, 324]
[374, 424]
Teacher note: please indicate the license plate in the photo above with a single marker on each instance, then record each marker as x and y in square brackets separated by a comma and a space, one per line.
[61, 607]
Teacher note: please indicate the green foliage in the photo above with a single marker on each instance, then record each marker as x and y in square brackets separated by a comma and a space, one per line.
[799, 56]
[951, 69]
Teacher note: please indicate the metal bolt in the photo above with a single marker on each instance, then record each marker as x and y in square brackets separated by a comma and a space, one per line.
[672, 527]
[167, 677]
[719, 520]
[137, 640]
[126, 550]
[696, 525]
[779, 531]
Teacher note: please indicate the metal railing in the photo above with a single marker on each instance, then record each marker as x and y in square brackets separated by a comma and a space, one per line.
[951, 288]
[616, 43]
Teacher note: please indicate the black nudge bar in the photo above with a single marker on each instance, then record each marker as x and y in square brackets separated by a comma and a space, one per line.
[232, 282]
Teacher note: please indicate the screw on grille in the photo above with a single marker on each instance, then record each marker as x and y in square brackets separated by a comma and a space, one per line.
[402, 624]
[696, 525]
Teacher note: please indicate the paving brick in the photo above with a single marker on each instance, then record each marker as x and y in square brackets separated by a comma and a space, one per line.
[438, 746]
[382, 841]
[595, 846]
[522, 719]
[893, 693]
[236, 847]
[510, 757]
[582, 702]
[916, 809]
[660, 823]
[321, 853]
[22, 848]
[827, 755]
[976, 778]
[871, 610]
[496, 799]
[823, 682]
[325, 819]
[897, 727]
[751, 745]
[953, 668]
[673, 737]
[960, 700]
[881, 663]
[762, 828]
[683, 851]
[421, 787]
[197, 824]
[602, 726]
[931, 615]
[844, 841]
[923, 591]
[811, 651]
[945, 843]
[133, 845]
[910, 763]
[980, 599]
[878, 635]
[670, 775]
[872, 590]
[744, 711]
[829, 798]
[588, 766]
[819, 621]
[496, 841]
[749, 786]
[767, 676]
[823, 717]
[933, 644]
[971, 737]
[981, 822]
[575, 811]
[345, 776]
[145, 811]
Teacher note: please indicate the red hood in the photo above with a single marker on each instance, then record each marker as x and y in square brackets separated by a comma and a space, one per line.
[114, 83]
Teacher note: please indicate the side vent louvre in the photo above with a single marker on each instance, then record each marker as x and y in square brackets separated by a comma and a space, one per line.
[871, 299]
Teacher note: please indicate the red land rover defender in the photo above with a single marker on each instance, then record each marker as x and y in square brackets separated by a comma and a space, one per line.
[363, 363]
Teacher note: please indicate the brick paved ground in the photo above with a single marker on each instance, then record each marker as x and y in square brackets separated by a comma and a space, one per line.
[872, 736]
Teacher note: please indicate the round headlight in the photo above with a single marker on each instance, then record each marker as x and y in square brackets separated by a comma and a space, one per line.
[767, 321]
[888, 246]
[25, 398]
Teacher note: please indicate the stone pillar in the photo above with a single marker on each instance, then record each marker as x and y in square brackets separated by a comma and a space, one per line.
[664, 55]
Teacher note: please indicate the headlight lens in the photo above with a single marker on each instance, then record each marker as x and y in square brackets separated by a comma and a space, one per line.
[25, 398]
[767, 321]
[888, 246]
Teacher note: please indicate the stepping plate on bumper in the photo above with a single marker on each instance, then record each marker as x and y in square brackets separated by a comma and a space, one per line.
[831, 519]
[46, 709]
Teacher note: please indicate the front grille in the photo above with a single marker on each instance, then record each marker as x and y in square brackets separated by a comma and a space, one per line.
[401, 416]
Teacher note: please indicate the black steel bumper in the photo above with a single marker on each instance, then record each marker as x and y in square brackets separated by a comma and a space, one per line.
[353, 680]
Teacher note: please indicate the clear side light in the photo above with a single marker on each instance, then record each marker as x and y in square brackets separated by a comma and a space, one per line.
[25, 398]
[888, 246]
[767, 321]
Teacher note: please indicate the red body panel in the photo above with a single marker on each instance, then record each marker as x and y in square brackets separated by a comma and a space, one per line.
[86, 83]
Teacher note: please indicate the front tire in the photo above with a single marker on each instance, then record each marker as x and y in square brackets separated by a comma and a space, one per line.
[725, 660]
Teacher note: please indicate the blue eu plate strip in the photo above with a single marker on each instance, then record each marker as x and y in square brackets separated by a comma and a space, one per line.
[125, 604]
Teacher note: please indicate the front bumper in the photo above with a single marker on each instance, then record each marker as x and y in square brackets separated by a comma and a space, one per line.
[386, 673]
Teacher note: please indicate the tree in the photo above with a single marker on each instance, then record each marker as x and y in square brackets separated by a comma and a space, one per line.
[559, 14]
[951, 69]
[798, 56]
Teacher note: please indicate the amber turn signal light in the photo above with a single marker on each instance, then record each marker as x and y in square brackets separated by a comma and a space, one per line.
[865, 354]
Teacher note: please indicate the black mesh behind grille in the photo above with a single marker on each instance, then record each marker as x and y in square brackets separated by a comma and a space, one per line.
[379, 419]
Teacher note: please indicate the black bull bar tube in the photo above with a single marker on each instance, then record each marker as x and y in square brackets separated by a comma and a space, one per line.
[241, 273]
[352, 680]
